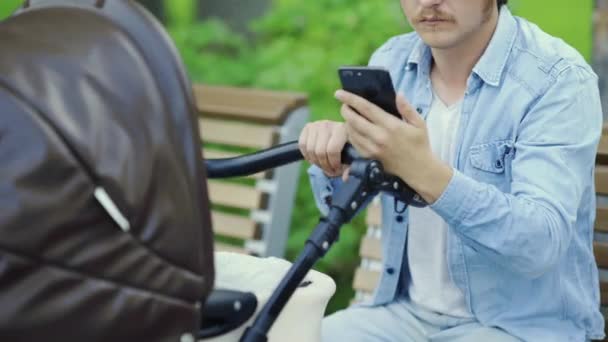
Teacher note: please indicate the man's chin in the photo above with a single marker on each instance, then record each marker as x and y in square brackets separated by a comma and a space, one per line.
[438, 40]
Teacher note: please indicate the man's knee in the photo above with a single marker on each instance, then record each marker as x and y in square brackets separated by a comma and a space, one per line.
[335, 326]
[491, 334]
[364, 324]
[473, 333]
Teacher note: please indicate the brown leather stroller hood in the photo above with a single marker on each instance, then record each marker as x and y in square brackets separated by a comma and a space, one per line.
[104, 217]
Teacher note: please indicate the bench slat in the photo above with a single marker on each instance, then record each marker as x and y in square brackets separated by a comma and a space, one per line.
[263, 106]
[371, 248]
[604, 292]
[374, 215]
[236, 195]
[215, 154]
[237, 133]
[235, 226]
[600, 249]
[601, 179]
[601, 219]
[602, 150]
[224, 247]
[366, 280]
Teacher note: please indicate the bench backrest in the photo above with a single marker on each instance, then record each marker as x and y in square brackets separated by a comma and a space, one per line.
[368, 273]
[251, 214]
[600, 243]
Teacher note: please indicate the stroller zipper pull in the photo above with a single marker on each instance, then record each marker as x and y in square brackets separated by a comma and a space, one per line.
[110, 207]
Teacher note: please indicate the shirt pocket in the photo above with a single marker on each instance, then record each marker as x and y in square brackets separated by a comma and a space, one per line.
[491, 163]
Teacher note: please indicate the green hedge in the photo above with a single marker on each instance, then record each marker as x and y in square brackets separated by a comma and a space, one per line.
[8, 6]
[299, 46]
[567, 19]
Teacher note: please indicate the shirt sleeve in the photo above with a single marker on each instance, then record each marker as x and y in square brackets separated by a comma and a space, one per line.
[529, 229]
[322, 188]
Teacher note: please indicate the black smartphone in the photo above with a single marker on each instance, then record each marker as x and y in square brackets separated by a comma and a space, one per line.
[372, 83]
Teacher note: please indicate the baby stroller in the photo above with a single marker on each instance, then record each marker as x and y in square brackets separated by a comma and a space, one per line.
[105, 231]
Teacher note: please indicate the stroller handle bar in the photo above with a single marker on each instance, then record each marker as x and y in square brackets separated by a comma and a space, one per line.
[264, 160]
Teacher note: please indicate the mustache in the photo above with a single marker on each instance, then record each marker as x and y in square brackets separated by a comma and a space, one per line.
[433, 14]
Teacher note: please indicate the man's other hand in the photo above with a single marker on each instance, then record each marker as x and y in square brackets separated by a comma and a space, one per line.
[321, 143]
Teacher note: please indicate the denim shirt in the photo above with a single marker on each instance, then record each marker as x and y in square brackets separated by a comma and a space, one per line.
[521, 203]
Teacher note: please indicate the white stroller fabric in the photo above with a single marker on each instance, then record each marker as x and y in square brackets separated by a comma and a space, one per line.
[300, 320]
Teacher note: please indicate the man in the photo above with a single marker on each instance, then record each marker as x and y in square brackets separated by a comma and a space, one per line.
[499, 134]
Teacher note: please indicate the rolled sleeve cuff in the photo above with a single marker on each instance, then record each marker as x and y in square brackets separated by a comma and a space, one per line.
[454, 205]
[322, 187]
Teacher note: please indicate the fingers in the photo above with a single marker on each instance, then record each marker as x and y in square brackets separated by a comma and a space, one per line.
[408, 113]
[321, 143]
[311, 144]
[302, 140]
[345, 173]
[335, 145]
[366, 147]
[364, 108]
[321, 150]
[359, 124]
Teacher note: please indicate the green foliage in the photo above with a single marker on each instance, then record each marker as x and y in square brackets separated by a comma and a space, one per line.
[181, 12]
[214, 54]
[8, 6]
[567, 19]
[299, 46]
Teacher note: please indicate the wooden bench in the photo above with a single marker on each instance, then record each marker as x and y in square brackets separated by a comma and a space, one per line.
[252, 214]
[368, 273]
[600, 50]
[600, 244]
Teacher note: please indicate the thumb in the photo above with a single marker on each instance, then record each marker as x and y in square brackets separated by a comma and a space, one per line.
[345, 174]
[407, 112]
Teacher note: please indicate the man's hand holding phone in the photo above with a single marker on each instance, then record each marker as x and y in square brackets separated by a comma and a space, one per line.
[377, 135]
[385, 127]
[402, 146]
[380, 126]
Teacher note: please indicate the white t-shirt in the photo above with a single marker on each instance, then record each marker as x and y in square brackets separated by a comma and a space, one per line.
[430, 285]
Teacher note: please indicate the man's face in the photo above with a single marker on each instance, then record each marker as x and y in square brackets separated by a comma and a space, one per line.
[444, 24]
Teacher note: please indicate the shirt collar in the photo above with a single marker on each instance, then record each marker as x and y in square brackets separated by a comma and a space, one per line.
[492, 63]
[421, 54]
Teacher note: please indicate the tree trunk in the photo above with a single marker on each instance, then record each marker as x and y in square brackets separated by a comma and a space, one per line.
[236, 13]
[600, 50]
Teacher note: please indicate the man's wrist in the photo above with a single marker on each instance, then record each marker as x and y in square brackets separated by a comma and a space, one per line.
[432, 182]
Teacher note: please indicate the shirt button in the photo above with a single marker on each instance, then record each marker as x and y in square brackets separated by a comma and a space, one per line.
[399, 218]
[390, 270]
[419, 110]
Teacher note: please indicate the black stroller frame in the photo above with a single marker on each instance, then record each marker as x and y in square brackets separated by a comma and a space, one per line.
[366, 179]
